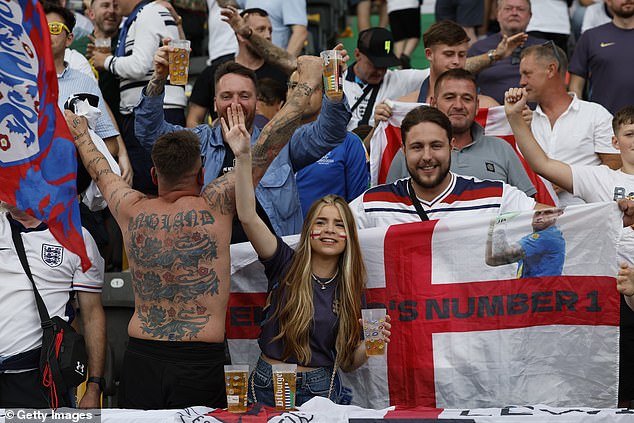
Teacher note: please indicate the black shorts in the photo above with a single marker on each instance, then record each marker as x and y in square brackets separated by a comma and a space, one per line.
[405, 23]
[626, 353]
[463, 12]
[162, 374]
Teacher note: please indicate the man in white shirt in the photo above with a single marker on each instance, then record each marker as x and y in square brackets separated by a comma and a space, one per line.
[571, 130]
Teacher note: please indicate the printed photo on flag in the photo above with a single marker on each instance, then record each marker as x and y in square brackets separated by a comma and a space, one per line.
[38, 161]
[468, 334]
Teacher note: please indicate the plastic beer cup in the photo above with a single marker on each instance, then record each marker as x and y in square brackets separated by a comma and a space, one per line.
[373, 324]
[333, 81]
[237, 387]
[179, 62]
[284, 389]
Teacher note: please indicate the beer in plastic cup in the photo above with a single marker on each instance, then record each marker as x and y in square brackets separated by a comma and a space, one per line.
[103, 45]
[333, 81]
[179, 62]
[373, 324]
[284, 376]
[237, 387]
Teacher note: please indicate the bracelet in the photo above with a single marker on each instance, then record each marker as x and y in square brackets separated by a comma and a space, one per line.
[99, 381]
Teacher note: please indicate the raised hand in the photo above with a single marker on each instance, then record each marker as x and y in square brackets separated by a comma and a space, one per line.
[382, 112]
[310, 70]
[515, 101]
[235, 131]
[162, 60]
[231, 15]
[508, 44]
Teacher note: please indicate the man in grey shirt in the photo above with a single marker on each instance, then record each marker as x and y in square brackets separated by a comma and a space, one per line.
[473, 153]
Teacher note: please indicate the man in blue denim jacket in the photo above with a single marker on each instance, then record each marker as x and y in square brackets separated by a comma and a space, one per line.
[277, 191]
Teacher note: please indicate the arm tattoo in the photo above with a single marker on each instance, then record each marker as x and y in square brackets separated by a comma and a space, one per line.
[273, 54]
[155, 87]
[475, 64]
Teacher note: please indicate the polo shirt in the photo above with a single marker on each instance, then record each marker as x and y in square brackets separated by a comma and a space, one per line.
[582, 131]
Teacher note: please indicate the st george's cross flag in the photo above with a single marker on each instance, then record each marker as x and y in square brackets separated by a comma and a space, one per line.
[469, 334]
[38, 160]
[386, 142]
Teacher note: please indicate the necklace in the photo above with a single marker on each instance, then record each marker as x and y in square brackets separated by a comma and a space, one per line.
[324, 284]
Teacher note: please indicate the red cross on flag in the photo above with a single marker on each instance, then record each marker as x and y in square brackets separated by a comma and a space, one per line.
[468, 334]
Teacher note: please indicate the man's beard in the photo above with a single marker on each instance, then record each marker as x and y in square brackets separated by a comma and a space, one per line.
[622, 14]
[253, 51]
[429, 184]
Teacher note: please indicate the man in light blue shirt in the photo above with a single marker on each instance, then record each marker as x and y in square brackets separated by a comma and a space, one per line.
[276, 194]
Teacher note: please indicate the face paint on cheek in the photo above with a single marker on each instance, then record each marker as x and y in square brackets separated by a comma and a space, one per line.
[343, 235]
[315, 234]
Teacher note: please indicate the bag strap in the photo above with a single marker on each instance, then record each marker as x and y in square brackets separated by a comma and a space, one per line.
[48, 330]
[19, 247]
[366, 91]
[369, 108]
[419, 208]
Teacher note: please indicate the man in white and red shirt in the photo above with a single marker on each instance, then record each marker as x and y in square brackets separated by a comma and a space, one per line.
[427, 135]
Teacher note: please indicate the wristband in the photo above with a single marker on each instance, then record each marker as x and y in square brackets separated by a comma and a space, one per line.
[100, 381]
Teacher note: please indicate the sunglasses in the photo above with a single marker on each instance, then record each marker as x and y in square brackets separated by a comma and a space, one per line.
[56, 28]
[551, 44]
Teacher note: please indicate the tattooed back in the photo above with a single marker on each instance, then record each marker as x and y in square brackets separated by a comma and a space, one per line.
[179, 259]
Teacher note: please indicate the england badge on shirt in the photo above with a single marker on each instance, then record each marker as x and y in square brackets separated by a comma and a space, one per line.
[52, 254]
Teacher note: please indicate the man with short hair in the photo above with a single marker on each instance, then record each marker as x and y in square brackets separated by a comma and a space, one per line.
[571, 130]
[472, 153]
[513, 17]
[258, 23]
[603, 56]
[427, 135]
[276, 195]
[178, 250]
[446, 44]
[289, 22]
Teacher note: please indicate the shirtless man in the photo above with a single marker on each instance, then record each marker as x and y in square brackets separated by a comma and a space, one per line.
[178, 250]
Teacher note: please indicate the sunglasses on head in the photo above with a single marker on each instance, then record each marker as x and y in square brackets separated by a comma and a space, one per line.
[551, 44]
[56, 28]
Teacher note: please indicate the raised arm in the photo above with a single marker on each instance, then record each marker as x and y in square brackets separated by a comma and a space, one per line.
[113, 187]
[557, 172]
[498, 250]
[273, 54]
[236, 135]
[504, 49]
[274, 136]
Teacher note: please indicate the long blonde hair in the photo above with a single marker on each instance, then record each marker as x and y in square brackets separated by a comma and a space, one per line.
[295, 309]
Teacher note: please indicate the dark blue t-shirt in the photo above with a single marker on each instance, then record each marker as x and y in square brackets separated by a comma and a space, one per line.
[604, 54]
[323, 333]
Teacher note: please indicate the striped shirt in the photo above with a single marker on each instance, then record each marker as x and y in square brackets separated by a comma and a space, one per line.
[153, 23]
[389, 204]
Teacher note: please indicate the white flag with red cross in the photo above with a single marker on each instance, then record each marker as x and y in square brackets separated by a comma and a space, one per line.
[467, 334]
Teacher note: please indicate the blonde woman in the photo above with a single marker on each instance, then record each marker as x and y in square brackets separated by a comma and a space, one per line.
[315, 293]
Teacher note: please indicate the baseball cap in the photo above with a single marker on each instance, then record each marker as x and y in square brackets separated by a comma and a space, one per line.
[377, 44]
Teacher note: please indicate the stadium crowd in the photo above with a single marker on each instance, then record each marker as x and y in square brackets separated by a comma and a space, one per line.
[258, 150]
